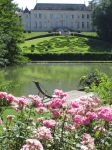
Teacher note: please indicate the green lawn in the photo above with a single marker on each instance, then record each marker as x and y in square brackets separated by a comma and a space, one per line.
[33, 34]
[94, 34]
[59, 44]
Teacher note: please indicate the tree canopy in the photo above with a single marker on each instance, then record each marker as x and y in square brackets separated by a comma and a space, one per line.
[102, 19]
[10, 33]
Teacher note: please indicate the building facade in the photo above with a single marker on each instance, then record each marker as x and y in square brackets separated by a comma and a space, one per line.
[54, 17]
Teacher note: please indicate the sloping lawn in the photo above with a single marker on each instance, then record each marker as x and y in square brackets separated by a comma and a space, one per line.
[65, 45]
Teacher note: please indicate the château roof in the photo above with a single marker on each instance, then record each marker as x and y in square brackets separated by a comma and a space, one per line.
[55, 6]
[26, 10]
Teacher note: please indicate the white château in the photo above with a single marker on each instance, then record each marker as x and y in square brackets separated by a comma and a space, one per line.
[54, 17]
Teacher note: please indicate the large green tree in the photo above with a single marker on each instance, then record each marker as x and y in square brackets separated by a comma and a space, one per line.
[10, 33]
[102, 19]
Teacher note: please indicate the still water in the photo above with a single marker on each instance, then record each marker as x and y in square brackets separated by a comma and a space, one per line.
[51, 76]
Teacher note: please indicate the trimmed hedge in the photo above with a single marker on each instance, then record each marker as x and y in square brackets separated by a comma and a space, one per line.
[57, 34]
[70, 57]
[85, 36]
[42, 36]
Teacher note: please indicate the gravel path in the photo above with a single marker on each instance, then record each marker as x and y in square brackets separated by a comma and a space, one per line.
[76, 95]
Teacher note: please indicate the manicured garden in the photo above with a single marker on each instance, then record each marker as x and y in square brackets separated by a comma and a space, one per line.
[60, 44]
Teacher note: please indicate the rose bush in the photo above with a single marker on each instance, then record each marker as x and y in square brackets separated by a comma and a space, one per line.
[26, 123]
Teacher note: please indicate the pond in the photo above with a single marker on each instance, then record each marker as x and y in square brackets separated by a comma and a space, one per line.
[51, 76]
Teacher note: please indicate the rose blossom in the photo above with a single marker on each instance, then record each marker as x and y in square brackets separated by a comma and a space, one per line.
[60, 94]
[105, 113]
[36, 100]
[49, 123]
[86, 120]
[78, 119]
[57, 103]
[75, 104]
[56, 113]
[88, 141]
[44, 133]
[32, 144]
[22, 101]
[10, 98]
[3, 95]
[91, 115]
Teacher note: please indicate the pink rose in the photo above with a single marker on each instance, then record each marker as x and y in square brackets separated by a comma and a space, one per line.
[49, 123]
[44, 133]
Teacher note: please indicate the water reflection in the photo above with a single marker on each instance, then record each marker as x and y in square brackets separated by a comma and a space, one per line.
[51, 76]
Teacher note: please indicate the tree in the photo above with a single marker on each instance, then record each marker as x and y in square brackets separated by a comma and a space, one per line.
[102, 19]
[10, 33]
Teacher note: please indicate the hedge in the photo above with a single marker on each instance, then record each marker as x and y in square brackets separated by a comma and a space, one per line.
[70, 57]
[57, 34]
[42, 36]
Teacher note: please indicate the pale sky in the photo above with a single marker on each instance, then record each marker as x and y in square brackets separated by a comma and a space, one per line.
[31, 3]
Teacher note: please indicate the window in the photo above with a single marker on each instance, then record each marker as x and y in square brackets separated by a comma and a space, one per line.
[40, 24]
[78, 25]
[72, 16]
[51, 16]
[40, 16]
[26, 16]
[82, 15]
[61, 16]
[88, 26]
[36, 25]
[88, 16]
[45, 24]
[45, 17]
[82, 25]
[78, 16]
[72, 24]
[35, 15]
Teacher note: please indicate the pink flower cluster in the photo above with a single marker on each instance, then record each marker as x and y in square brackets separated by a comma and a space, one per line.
[59, 94]
[83, 111]
[105, 113]
[8, 97]
[87, 142]
[49, 123]
[32, 144]
[44, 133]
[56, 113]
[36, 100]
[56, 103]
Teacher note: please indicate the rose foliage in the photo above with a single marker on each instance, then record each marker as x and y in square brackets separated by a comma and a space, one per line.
[27, 123]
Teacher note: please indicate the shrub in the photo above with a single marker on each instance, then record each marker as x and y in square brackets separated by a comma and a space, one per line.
[104, 90]
[95, 77]
[98, 83]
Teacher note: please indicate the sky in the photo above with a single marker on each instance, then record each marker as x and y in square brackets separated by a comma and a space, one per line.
[31, 3]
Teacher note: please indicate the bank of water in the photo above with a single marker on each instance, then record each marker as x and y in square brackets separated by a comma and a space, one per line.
[51, 76]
